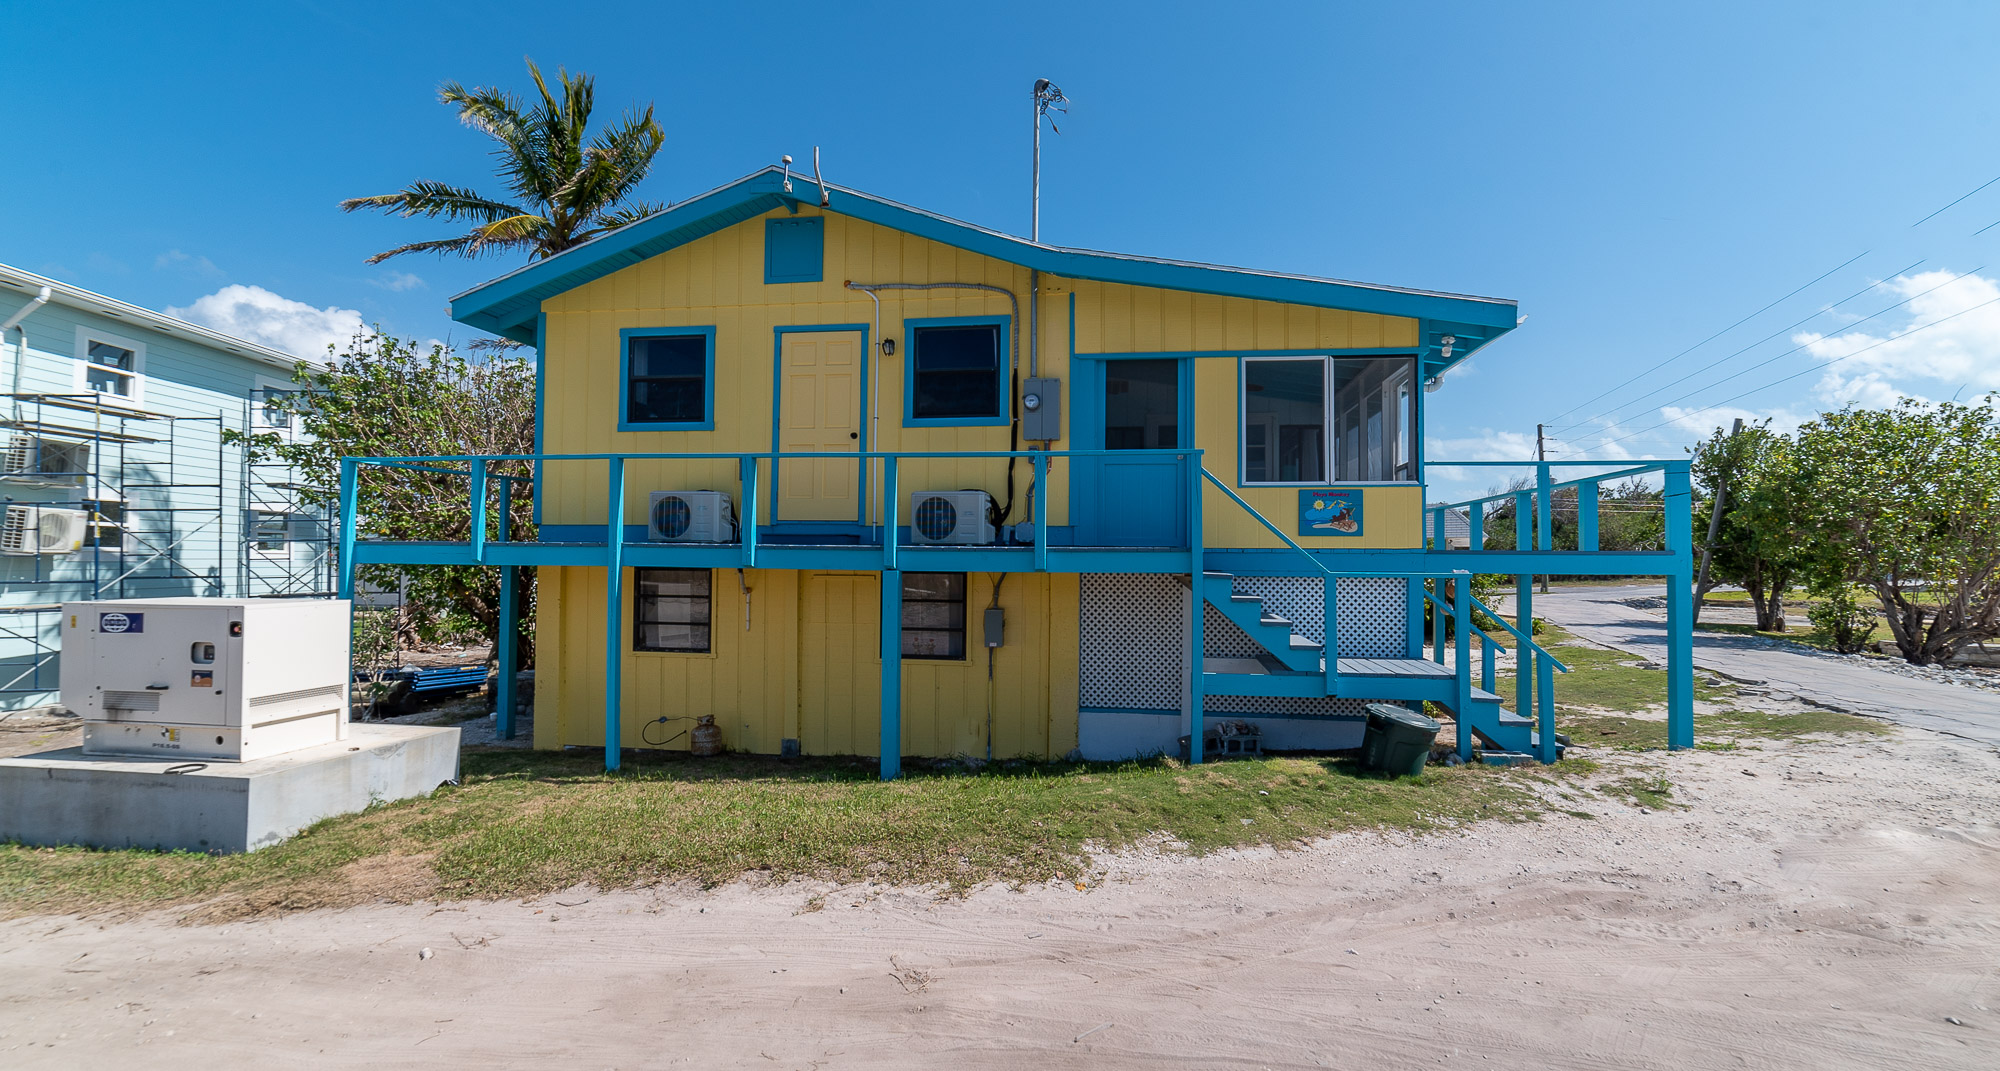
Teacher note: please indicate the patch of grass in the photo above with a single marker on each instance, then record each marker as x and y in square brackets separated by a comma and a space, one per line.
[1724, 730]
[527, 823]
[1644, 790]
[1604, 680]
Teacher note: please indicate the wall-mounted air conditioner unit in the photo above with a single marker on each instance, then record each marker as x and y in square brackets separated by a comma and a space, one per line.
[31, 457]
[951, 517]
[690, 517]
[42, 530]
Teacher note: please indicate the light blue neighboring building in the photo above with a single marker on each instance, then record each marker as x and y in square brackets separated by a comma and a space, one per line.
[116, 477]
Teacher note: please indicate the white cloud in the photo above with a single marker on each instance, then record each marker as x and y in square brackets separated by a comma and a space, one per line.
[182, 263]
[398, 280]
[1874, 368]
[258, 315]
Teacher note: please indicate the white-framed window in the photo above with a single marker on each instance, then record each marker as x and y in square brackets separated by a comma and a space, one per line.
[270, 534]
[1316, 420]
[110, 366]
[264, 416]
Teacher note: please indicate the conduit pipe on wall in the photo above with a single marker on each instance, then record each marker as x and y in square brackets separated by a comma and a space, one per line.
[1013, 366]
[40, 299]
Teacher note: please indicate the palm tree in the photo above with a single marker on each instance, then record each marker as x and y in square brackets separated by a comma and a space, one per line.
[572, 190]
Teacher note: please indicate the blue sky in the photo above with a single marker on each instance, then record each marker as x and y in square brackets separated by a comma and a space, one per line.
[1640, 178]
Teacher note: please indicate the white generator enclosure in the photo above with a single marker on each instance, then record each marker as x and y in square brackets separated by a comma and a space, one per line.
[217, 679]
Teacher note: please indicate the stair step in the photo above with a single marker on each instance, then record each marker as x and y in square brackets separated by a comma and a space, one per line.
[1301, 643]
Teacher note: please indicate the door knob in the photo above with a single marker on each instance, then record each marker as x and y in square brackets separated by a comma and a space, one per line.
[854, 435]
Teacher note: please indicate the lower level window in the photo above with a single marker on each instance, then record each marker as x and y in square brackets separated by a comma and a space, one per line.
[934, 615]
[670, 610]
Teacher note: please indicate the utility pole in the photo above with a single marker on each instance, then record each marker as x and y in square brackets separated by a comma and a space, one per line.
[1542, 454]
[1714, 527]
[1047, 95]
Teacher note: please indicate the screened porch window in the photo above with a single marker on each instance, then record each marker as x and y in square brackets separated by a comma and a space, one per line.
[934, 615]
[1316, 420]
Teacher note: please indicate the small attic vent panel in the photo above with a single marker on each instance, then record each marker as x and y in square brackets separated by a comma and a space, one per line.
[795, 250]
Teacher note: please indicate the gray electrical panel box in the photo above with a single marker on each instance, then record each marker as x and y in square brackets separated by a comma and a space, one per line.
[995, 626]
[1041, 409]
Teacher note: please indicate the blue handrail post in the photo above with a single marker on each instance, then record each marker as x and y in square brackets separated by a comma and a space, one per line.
[1486, 662]
[889, 511]
[1198, 603]
[1040, 463]
[1586, 515]
[1438, 541]
[1680, 608]
[1524, 605]
[1461, 617]
[892, 667]
[1330, 630]
[748, 463]
[614, 614]
[479, 511]
[1545, 709]
[1413, 617]
[1475, 526]
[1545, 513]
[350, 489]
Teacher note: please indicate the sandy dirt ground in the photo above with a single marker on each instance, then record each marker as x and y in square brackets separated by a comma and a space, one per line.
[1815, 905]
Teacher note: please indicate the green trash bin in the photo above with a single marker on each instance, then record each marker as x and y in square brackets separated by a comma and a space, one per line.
[1398, 740]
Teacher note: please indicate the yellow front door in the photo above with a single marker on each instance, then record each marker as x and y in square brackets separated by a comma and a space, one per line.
[819, 388]
[840, 665]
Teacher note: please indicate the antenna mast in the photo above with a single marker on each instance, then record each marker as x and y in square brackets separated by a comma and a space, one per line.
[1047, 95]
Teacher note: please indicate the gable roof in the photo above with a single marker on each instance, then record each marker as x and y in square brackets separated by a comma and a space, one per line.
[76, 297]
[508, 305]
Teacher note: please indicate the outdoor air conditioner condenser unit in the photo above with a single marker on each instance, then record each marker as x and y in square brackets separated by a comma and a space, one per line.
[963, 517]
[28, 530]
[690, 517]
[31, 457]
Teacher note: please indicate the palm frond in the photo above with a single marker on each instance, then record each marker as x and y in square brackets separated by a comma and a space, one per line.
[514, 230]
[432, 199]
[629, 213]
[462, 245]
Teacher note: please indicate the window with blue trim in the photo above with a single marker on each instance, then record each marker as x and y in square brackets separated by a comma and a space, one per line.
[666, 379]
[956, 372]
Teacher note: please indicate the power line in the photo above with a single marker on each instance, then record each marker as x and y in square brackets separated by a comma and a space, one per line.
[1976, 189]
[1649, 371]
[1786, 353]
[1806, 371]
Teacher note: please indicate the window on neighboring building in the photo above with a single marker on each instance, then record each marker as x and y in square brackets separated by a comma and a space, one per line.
[934, 615]
[267, 408]
[670, 610]
[106, 525]
[109, 365]
[957, 372]
[667, 378]
[1320, 419]
[271, 533]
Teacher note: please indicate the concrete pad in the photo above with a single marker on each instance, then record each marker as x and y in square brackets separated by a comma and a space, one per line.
[64, 797]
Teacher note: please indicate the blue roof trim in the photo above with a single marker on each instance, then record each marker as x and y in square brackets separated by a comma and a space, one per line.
[508, 305]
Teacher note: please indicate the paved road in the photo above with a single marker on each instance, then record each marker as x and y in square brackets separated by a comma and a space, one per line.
[1600, 615]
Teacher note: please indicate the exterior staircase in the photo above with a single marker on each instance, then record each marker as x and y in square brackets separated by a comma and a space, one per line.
[1292, 665]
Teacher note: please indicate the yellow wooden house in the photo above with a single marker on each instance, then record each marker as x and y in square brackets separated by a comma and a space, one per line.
[855, 478]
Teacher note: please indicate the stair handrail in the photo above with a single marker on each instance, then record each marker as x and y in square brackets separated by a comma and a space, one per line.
[1265, 521]
[1518, 634]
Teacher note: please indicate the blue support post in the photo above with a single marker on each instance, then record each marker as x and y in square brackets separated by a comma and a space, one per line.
[748, 521]
[892, 670]
[1586, 515]
[1437, 530]
[889, 511]
[1475, 526]
[1545, 515]
[1197, 642]
[1545, 709]
[1330, 630]
[479, 510]
[510, 631]
[350, 486]
[1040, 463]
[1461, 619]
[614, 614]
[1413, 620]
[1680, 609]
[1524, 607]
[1486, 664]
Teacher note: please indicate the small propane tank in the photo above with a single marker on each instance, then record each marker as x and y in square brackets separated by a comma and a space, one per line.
[705, 739]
